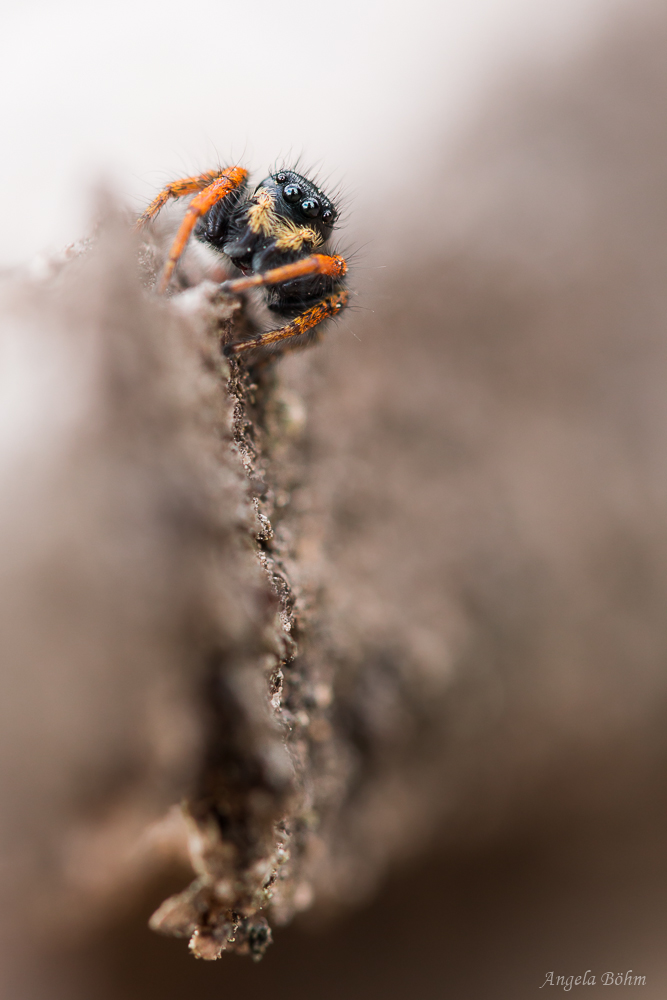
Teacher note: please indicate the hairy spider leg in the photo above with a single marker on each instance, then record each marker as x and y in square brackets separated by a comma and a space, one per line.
[318, 263]
[228, 181]
[329, 306]
[177, 189]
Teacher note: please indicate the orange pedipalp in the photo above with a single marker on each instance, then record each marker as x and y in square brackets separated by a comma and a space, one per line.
[227, 182]
[317, 263]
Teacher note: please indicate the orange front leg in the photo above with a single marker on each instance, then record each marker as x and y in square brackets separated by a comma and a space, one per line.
[229, 181]
[177, 189]
[317, 263]
[208, 189]
[330, 306]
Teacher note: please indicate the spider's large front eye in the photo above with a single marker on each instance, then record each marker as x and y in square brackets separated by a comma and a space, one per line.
[310, 207]
[292, 192]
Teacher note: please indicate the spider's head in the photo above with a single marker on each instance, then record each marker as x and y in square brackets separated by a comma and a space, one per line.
[299, 201]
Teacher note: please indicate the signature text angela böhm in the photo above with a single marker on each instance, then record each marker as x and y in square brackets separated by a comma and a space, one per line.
[588, 979]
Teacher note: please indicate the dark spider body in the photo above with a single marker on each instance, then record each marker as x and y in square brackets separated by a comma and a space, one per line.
[300, 220]
[277, 239]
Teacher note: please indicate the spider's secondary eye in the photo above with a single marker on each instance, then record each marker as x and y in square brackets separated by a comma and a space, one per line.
[327, 216]
[310, 207]
[292, 192]
[281, 177]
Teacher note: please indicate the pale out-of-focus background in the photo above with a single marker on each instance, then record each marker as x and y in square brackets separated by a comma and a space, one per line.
[142, 92]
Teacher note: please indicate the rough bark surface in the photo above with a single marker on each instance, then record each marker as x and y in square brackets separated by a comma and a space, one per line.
[182, 548]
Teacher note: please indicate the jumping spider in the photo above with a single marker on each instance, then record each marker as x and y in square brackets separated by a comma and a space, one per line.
[276, 237]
